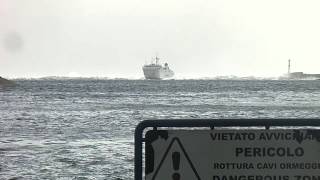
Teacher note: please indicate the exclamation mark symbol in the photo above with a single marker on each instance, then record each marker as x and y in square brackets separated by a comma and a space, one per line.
[176, 165]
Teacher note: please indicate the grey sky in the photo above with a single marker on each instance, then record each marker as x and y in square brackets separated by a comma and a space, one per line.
[198, 38]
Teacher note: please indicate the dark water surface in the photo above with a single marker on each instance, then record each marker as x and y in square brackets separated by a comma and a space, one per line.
[83, 128]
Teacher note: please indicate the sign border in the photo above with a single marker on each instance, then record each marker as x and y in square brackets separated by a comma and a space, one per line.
[210, 123]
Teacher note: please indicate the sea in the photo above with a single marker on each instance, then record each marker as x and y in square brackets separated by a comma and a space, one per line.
[84, 128]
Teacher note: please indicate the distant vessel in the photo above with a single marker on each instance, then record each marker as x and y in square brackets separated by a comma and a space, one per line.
[157, 71]
[300, 75]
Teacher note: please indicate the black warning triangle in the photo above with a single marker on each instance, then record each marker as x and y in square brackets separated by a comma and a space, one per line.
[177, 149]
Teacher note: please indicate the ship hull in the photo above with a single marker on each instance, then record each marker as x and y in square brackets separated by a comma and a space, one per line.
[157, 73]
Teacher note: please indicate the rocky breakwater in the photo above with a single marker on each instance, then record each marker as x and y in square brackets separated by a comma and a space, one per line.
[4, 82]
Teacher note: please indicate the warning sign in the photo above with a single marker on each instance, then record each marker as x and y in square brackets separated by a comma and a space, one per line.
[175, 160]
[285, 154]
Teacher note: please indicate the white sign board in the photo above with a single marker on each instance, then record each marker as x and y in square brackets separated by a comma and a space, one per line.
[285, 154]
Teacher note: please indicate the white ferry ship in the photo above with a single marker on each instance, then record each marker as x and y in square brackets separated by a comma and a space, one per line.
[157, 71]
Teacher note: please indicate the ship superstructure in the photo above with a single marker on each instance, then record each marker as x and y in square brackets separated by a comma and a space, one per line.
[154, 70]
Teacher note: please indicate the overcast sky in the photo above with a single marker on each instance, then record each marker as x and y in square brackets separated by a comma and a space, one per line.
[198, 38]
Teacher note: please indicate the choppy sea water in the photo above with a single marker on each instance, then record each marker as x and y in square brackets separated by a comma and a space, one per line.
[83, 128]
